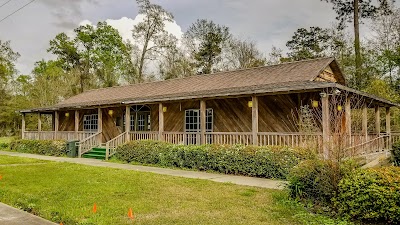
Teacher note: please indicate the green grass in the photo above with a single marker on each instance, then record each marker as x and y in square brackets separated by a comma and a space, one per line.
[5, 160]
[64, 192]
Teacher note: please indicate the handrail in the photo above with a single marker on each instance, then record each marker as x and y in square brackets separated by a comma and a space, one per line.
[88, 143]
[382, 143]
[112, 144]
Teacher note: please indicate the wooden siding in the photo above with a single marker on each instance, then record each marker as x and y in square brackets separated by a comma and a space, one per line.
[277, 113]
[327, 76]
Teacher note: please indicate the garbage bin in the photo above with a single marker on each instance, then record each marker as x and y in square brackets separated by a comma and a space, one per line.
[72, 148]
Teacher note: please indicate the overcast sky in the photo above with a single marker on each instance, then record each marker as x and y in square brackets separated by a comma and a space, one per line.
[268, 22]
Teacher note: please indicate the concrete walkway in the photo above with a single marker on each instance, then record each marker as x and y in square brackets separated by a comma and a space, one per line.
[248, 181]
[12, 216]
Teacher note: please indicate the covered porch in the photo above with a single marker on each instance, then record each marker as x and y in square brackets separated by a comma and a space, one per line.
[314, 118]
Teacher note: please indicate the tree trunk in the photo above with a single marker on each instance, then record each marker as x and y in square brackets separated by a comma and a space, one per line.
[357, 48]
[144, 51]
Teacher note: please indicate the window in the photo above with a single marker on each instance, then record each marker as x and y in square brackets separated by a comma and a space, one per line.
[90, 122]
[192, 120]
[140, 118]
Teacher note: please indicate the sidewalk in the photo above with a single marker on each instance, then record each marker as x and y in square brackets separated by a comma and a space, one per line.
[12, 216]
[240, 180]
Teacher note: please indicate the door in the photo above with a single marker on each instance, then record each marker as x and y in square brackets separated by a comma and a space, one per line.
[192, 126]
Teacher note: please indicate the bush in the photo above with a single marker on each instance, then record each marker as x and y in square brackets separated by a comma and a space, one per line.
[48, 147]
[4, 145]
[372, 195]
[268, 162]
[396, 153]
[317, 180]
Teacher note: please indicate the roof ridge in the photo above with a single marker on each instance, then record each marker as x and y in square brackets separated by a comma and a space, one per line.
[209, 74]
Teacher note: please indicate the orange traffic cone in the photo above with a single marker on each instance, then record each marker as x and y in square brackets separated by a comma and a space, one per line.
[130, 213]
[94, 208]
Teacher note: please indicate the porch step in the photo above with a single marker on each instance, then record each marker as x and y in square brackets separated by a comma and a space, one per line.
[96, 153]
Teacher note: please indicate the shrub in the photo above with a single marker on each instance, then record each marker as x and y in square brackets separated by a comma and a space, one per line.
[268, 162]
[52, 148]
[4, 145]
[317, 180]
[396, 153]
[372, 195]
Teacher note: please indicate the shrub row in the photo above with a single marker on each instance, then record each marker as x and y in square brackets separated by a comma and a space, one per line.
[267, 162]
[371, 195]
[42, 147]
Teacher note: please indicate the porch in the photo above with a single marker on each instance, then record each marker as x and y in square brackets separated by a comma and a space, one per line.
[248, 120]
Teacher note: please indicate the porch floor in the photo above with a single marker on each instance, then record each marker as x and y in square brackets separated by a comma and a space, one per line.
[240, 180]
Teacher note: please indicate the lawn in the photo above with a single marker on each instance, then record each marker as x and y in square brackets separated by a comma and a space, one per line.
[64, 192]
[6, 160]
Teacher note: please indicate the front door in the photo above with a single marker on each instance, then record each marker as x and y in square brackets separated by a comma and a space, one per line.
[192, 125]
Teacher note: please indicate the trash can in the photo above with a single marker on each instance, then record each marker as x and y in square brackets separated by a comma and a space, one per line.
[72, 149]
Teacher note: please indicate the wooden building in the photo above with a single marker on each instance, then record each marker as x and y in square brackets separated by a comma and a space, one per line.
[257, 106]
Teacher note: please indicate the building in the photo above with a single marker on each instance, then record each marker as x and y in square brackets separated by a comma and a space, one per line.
[257, 106]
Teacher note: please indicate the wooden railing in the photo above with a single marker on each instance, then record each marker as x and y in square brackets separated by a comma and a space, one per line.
[112, 144]
[229, 138]
[87, 144]
[379, 144]
[311, 140]
[182, 138]
[395, 137]
[60, 135]
[145, 135]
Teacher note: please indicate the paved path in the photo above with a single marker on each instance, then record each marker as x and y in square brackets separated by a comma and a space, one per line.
[248, 181]
[12, 216]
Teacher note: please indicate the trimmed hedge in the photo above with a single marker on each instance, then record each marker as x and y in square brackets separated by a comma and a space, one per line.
[371, 195]
[267, 162]
[42, 147]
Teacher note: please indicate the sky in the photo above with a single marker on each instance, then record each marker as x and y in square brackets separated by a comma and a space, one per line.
[267, 22]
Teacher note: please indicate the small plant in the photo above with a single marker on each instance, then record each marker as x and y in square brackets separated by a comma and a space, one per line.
[396, 153]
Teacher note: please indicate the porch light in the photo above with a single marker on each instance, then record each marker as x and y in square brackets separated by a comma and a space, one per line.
[315, 103]
[110, 112]
[164, 109]
[67, 114]
[250, 104]
[339, 108]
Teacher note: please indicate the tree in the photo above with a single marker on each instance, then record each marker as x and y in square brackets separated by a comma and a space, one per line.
[309, 44]
[150, 34]
[354, 10]
[7, 70]
[244, 54]
[97, 56]
[206, 40]
[175, 63]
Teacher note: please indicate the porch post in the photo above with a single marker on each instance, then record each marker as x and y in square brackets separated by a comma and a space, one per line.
[365, 121]
[23, 126]
[325, 126]
[348, 120]
[127, 122]
[377, 120]
[388, 129]
[56, 121]
[254, 119]
[77, 124]
[203, 122]
[100, 123]
[39, 124]
[160, 122]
